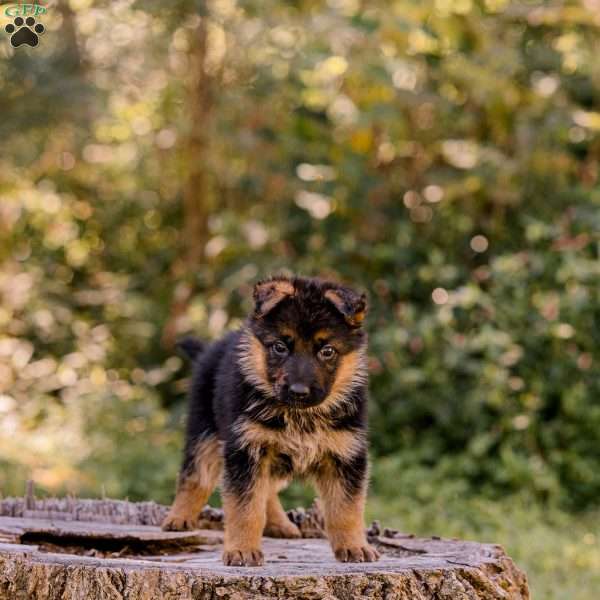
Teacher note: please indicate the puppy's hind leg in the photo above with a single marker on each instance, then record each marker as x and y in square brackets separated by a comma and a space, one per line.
[197, 480]
[278, 525]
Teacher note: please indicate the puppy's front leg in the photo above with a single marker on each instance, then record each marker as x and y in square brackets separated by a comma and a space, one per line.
[342, 486]
[245, 493]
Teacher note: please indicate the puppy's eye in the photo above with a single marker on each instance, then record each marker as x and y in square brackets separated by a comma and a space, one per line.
[327, 352]
[279, 348]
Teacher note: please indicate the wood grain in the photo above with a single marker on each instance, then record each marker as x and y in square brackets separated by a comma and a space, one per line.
[410, 568]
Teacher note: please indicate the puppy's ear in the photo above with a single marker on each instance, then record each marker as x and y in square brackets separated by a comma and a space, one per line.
[351, 304]
[268, 294]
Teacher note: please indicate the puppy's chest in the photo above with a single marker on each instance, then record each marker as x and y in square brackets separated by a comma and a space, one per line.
[295, 450]
[300, 451]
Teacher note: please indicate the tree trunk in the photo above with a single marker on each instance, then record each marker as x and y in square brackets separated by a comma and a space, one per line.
[197, 192]
[106, 550]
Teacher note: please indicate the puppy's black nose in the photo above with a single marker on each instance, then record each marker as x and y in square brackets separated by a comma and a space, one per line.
[299, 390]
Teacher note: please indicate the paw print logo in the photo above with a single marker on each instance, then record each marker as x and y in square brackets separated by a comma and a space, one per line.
[24, 32]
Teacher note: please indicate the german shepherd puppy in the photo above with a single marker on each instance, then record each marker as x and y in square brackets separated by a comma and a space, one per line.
[284, 396]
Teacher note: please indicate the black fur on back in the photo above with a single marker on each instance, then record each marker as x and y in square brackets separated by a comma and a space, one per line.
[191, 347]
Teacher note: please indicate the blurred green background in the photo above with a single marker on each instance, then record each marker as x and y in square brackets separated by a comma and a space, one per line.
[157, 158]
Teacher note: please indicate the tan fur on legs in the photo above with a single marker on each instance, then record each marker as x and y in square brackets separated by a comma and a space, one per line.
[194, 489]
[245, 520]
[344, 521]
[278, 525]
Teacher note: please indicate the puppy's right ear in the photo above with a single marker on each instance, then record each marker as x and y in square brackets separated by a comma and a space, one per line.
[269, 293]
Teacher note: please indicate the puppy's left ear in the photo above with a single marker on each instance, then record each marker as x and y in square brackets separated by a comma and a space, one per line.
[351, 304]
[269, 293]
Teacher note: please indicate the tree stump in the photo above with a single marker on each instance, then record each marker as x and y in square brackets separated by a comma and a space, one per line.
[71, 549]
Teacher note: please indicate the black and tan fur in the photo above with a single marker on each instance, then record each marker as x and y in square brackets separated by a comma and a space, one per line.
[284, 396]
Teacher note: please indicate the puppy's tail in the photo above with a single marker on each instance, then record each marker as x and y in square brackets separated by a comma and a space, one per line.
[191, 347]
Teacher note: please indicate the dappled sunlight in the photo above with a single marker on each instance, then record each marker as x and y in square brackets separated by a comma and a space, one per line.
[443, 155]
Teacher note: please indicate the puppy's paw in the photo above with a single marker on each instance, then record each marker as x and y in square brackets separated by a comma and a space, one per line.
[178, 522]
[363, 553]
[244, 558]
[282, 530]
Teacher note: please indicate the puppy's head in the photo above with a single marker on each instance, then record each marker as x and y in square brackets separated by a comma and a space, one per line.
[305, 341]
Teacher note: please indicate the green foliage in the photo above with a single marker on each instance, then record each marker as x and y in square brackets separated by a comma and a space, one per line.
[559, 551]
[444, 155]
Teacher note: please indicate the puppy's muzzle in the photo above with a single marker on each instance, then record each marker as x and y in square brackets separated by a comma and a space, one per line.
[300, 395]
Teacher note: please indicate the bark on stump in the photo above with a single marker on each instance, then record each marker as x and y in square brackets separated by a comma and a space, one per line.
[114, 550]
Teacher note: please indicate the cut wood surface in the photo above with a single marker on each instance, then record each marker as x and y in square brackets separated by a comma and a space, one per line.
[24, 529]
[73, 559]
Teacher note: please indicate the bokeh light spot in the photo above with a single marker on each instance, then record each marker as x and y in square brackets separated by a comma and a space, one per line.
[440, 296]
[479, 243]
